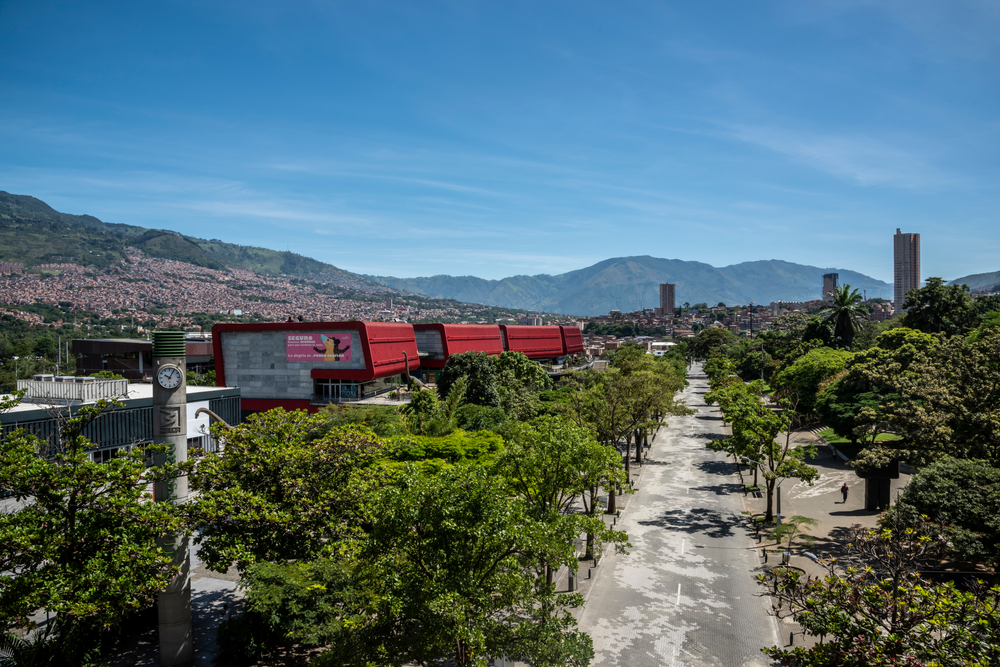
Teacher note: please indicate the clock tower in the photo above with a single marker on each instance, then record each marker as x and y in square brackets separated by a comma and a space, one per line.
[170, 430]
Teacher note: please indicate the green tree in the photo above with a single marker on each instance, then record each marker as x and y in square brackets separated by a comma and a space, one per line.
[881, 612]
[845, 309]
[549, 463]
[108, 375]
[962, 498]
[480, 371]
[948, 403]
[384, 421]
[426, 415]
[710, 343]
[449, 574]
[940, 308]
[756, 428]
[801, 380]
[205, 380]
[276, 494]
[306, 603]
[854, 402]
[81, 543]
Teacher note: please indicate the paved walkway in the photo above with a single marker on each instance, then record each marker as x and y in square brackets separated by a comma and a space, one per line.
[823, 502]
[685, 594]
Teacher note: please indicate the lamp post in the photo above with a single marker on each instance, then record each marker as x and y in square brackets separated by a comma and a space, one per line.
[16, 374]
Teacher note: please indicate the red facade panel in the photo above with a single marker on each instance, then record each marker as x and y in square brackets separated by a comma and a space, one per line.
[459, 338]
[533, 342]
[572, 339]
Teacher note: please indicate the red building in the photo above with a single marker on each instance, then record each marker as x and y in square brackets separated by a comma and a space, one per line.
[572, 340]
[437, 342]
[533, 342]
[305, 365]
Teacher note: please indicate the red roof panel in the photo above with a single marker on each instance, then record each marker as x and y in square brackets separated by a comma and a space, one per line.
[459, 338]
[572, 339]
[533, 342]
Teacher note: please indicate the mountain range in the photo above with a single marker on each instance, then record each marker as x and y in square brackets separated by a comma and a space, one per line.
[33, 233]
[632, 283]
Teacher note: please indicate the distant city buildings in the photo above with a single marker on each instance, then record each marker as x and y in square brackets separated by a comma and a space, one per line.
[830, 283]
[906, 266]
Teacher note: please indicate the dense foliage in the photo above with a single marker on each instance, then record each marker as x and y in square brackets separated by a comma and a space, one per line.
[962, 499]
[879, 610]
[81, 541]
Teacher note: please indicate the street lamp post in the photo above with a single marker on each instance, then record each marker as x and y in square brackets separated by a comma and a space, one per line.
[16, 374]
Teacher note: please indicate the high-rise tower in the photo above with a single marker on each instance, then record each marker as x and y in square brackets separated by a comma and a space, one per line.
[830, 283]
[667, 299]
[906, 266]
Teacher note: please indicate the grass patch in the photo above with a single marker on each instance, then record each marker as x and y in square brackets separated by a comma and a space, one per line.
[845, 446]
[834, 439]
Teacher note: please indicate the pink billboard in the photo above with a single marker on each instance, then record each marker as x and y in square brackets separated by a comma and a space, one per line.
[318, 347]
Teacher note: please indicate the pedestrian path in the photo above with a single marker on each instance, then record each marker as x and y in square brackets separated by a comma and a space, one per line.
[823, 502]
[686, 593]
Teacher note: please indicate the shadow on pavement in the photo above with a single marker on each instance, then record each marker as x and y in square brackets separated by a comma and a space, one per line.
[700, 520]
[709, 418]
[720, 489]
[715, 467]
[835, 544]
[861, 512]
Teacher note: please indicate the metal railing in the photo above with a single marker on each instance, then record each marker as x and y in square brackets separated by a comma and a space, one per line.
[64, 392]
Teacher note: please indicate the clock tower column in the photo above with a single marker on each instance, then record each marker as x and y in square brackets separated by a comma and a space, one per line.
[170, 430]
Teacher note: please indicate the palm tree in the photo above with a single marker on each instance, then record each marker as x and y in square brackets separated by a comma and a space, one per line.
[844, 311]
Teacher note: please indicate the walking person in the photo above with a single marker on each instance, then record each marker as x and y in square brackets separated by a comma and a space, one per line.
[844, 489]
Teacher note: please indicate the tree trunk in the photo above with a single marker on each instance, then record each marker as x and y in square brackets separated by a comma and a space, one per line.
[612, 505]
[755, 467]
[769, 516]
[640, 446]
[628, 456]
[548, 574]
[590, 536]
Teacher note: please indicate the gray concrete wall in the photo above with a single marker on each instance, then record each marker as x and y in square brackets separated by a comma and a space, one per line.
[256, 362]
[429, 340]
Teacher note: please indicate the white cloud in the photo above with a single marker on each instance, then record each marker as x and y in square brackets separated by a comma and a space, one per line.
[864, 160]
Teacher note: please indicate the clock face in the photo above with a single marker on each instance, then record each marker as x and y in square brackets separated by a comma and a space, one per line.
[169, 377]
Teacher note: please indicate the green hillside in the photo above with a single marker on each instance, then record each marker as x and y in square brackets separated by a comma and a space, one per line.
[33, 233]
[980, 282]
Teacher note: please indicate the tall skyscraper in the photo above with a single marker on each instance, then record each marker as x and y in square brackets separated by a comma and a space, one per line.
[667, 299]
[830, 283]
[906, 266]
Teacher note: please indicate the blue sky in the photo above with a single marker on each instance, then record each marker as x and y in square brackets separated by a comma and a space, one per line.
[500, 138]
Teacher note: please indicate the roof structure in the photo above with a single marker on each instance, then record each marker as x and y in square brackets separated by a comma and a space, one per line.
[533, 342]
[437, 342]
[383, 344]
[572, 340]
